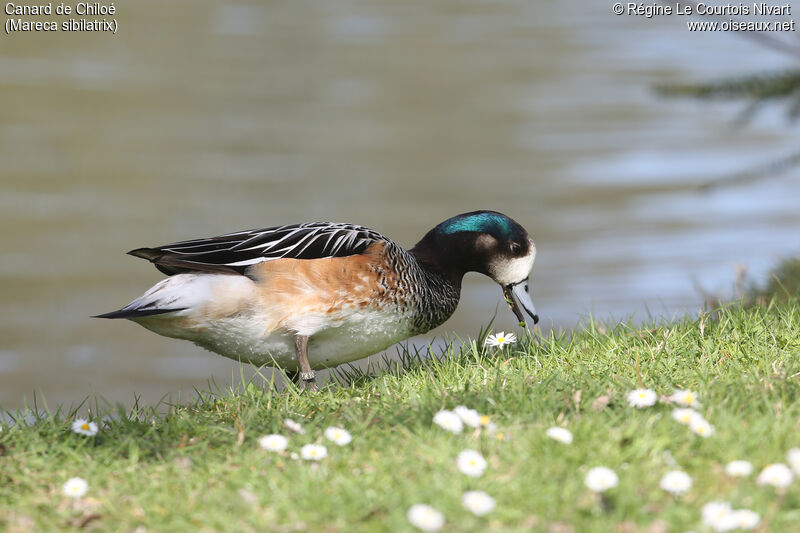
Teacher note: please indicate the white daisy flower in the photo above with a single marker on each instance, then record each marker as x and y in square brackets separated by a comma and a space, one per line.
[642, 398]
[727, 522]
[715, 513]
[469, 416]
[500, 339]
[560, 434]
[75, 487]
[471, 463]
[777, 475]
[600, 479]
[676, 482]
[294, 426]
[338, 435]
[793, 458]
[700, 426]
[273, 443]
[425, 517]
[684, 397]
[746, 519]
[739, 468]
[685, 415]
[84, 427]
[313, 452]
[448, 420]
[478, 502]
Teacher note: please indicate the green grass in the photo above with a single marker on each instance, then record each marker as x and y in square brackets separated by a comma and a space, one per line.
[198, 467]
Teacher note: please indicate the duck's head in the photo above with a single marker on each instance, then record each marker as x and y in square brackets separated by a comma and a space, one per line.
[487, 242]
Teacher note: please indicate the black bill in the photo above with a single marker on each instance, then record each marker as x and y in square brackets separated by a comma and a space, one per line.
[516, 296]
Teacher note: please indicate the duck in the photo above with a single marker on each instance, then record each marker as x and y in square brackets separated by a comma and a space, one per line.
[309, 296]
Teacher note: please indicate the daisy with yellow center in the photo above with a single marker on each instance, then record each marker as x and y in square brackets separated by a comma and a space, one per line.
[84, 427]
[560, 434]
[684, 397]
[313, 452]
[448, 420]
[601, 478]
[778, 475]
[500, 339]
[640, 398]
[338, 435]
[700, 426]
[425, 517]
[75, 487]
[717, 515]
[676, 482]
[471, 463]
[273, 443]
[685, 415]
[478, 502]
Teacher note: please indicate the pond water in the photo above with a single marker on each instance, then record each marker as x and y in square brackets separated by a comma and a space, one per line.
[199, 118]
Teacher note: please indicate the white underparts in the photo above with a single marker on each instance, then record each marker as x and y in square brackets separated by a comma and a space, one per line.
[221, 313]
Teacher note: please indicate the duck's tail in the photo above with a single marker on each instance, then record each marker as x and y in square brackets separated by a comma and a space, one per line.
[128, 312]
[171, 295]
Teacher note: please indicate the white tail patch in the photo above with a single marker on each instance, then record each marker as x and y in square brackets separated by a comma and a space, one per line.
[188, 292]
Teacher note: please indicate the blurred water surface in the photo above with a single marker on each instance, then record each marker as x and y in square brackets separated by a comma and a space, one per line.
[205, 117]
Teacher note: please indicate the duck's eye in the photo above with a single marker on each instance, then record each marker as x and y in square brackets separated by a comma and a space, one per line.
[516, 249]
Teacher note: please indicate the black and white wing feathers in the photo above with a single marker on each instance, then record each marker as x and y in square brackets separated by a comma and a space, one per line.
[235, 252]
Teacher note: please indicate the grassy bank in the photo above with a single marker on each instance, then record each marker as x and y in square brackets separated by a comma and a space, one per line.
[200, 468]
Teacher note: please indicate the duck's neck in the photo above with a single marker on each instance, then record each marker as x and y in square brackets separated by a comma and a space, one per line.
[445, 255]
[439, 282]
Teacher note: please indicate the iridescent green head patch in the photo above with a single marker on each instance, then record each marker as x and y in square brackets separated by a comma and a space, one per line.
[480, 222]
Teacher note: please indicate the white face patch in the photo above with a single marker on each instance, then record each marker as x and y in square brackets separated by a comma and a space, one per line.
[506, 271]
